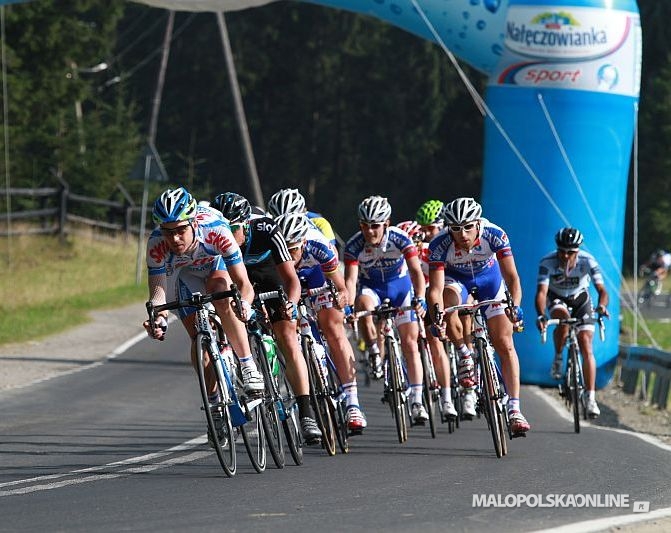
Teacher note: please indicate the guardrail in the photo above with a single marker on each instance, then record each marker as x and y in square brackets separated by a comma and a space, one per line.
[648, 363]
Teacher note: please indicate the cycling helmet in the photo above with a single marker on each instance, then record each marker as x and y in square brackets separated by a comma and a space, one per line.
[462, 210]
[294, 226]
[413, 229]
[568, 239]
[374, 209]
[286, 201]
[234, 207]
[174, 205]
[430, 212]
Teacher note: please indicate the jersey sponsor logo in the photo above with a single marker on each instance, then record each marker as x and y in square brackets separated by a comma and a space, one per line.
[218, 240]
[262, 226]
[158, 252]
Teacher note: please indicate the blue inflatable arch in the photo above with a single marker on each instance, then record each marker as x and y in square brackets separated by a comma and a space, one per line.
[561, 106]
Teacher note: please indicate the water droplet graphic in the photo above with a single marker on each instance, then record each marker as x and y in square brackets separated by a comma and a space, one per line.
[492, 5]
[607, 76]
[481, 25]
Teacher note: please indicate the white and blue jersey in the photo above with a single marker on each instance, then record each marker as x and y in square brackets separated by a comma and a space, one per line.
[319, 257]
[475, 268]
[185, 274]
[569, 283]
[383, 269]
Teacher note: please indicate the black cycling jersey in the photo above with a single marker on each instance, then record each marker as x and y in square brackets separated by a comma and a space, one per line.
[264, 248]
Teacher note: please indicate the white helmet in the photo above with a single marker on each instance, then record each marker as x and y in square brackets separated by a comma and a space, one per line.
[462, 210]
[374, 209]
[294, 226]
[286, 201]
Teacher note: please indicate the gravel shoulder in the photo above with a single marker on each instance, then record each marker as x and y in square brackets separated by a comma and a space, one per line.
[110, 329]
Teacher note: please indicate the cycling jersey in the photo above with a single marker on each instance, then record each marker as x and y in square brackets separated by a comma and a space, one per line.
[319, 257]
[475, 268]
[572, 282]
[322, 225]
[492, 244]
[384, 262]
[185, 274]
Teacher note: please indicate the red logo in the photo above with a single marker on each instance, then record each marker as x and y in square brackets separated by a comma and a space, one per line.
[218, 240]
[158, 252]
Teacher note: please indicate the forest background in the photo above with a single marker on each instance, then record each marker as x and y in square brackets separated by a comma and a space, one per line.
[339, 105]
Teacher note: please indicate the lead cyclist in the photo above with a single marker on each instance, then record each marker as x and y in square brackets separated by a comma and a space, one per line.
[475, 253]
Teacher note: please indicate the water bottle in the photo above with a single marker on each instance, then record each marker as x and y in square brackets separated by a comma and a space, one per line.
[228, 357]
[271, 354]
[321, 355]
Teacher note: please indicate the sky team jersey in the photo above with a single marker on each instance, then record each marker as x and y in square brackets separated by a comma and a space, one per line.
[214, 240]
[492, 244]
[573, 282]
[264, 243]
[318, 252]
[382, 263]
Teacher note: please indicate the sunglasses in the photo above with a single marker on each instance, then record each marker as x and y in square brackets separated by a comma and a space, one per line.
[567, 252]
[236, 227]
[456, 228]
[179, 230]
[373, 225]
[294, 246]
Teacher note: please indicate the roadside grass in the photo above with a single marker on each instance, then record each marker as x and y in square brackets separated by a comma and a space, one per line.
[50, 286]
[659, 329]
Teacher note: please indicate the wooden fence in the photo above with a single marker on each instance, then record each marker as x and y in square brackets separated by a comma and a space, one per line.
[59, 211]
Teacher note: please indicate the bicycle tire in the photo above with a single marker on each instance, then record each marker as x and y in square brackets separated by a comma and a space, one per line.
[254, 437]
[427, 391]
[453, 424]
[574, 390]
[225, 450]
[319, 399]
[271, 419]
[492, 413]
[290, 419]
[335, 388]
[398, 403]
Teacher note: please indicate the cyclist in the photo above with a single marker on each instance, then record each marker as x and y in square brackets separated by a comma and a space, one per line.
[315, 259]
[269, 265]
[657, 267]
[381, 262]
[292, 201]
[475, 253]
[563, 288]
[192, 250]
[433, 338]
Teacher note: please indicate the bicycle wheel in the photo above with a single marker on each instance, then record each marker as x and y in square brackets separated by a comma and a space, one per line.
[427, 391]
[574, 388]
[490, 407]
[219, 424]
[320, 399]
[289, 418]
[254, 436]
[338, 400]
[397, 396]
[271, 418]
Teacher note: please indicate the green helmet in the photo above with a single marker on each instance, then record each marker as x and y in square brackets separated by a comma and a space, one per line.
[430, 213]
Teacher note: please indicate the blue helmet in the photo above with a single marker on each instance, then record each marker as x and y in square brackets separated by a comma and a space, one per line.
[174, 205]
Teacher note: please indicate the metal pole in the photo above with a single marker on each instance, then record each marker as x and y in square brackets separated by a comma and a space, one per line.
[240, 112]
[5, 116]
[153, 122]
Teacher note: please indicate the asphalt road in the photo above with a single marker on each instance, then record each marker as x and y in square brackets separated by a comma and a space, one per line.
[121, 446]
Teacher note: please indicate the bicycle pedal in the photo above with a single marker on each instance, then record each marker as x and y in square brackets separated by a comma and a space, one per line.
[354, 432]
[313, 442]
[518, 434]
[466, 417]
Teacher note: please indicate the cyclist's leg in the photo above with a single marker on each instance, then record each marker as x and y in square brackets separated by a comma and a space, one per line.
[220, 280]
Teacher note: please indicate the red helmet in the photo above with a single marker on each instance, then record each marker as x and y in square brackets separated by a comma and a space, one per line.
[413, 229]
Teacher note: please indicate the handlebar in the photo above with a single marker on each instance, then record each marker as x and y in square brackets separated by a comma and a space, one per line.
[197, 300]
[574, 322]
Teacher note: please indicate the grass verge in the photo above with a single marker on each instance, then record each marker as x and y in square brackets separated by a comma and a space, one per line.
[51, 286]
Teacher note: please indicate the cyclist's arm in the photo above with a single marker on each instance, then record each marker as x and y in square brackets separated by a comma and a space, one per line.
[351, 277]
[436, 286]
[603, 295]
[339, 282]
[541, 298]
[238, 274]
[416, 275]
[511, 277]
[292, 284]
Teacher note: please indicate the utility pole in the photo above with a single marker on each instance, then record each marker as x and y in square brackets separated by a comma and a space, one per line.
[253, 176]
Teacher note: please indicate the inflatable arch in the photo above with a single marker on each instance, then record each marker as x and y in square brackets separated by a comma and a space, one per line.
[562, 102]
